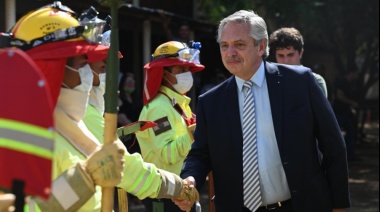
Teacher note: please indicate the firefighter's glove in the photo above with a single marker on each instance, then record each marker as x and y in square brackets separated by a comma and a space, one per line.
[189, 193]
[106, 164]
[177, 189]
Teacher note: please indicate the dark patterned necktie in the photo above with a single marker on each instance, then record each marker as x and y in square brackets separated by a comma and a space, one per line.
[251, 182]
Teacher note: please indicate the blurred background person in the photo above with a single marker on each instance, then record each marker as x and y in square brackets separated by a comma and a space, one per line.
[129, 112]
[321, 70]
[286, 44]
[130, 108]
[183, 33]
[345, 107]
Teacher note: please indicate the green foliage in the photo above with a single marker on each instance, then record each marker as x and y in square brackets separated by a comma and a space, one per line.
[108, 3]
[346, 30]
[215, 10]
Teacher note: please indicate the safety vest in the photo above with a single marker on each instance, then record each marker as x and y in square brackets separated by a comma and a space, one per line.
[167, 145]
[190, 120]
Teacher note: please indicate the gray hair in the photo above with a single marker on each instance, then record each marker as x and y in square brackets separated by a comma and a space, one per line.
[258, 28]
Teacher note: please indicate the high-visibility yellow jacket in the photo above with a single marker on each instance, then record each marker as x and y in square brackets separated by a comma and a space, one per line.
[72, 104]
[66, 156]
[69, 111]
[94, 122]
[140, 179]
[167, 145]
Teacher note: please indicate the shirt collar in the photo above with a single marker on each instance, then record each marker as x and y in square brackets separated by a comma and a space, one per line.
[258, 78]
[175, 97]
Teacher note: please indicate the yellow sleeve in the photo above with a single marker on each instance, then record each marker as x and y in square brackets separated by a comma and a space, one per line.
[140, 179]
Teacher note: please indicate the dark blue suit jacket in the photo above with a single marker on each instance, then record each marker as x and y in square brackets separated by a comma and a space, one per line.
[301, 115]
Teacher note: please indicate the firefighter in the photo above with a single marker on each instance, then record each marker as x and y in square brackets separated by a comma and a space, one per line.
[53, 38]
[93, 118]
[95, 122]
[168, 77]
[60, 46]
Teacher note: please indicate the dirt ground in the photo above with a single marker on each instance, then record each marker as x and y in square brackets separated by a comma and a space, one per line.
[364, 173]
[364, 176]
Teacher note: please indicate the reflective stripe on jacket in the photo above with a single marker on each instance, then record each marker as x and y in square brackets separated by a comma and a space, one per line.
[139, 178]
[164, 147]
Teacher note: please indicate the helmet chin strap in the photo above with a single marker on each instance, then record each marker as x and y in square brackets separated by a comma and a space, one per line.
[166, 78]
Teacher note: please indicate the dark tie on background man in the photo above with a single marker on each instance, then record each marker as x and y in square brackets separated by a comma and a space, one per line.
[251, 183]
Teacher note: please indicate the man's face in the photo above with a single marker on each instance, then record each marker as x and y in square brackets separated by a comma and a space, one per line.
[239, 54]
[179, 69]
[72, 78]
[174, 70]
[99, 68]
[77, 62]
[289, 56]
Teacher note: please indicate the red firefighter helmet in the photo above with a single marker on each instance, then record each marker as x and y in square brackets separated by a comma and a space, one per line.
[52, 34]
[172, 53]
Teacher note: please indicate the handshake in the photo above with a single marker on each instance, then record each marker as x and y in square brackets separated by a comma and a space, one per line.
[105, 169]
[182, 192]
[189, 195]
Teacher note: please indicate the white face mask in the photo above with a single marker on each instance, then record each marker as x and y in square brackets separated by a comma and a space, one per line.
[102, 85]
[97, 93]
[184, 82]
[86, 78]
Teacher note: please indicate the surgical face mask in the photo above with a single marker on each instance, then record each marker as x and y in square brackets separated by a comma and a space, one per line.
[184, 82]
[97, 94]
[102, 85]
[86, 78]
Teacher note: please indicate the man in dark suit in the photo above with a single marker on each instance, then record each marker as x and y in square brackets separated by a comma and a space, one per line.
[289, 114]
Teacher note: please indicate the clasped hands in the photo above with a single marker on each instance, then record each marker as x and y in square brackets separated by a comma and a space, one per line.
[189, 195]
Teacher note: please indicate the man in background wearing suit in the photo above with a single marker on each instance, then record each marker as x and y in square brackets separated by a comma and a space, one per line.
[257, 132]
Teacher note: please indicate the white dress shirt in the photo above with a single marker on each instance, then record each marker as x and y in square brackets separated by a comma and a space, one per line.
[273, 183]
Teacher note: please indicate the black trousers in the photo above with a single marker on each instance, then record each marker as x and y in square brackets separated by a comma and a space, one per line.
[169, 205]
[285, 208]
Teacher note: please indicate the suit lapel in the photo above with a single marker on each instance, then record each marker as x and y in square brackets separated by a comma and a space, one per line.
[276, 96]
[233, 115]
